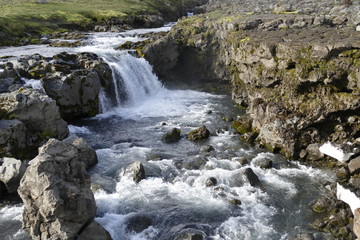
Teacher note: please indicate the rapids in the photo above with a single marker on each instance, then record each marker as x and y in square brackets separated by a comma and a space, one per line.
[174, 196]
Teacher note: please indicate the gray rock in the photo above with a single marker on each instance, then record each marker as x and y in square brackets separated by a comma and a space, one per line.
[173, 135]
[190, 235]
[94, 232]
[354, 165]
[263, 163]
[86, 153]
[76, 94]
[61, 203]
[313, 152]
[36, 111]
[11, 172]
[247, 175]
[200, 133]
[356, 225]
[135, 171]
[13, 137]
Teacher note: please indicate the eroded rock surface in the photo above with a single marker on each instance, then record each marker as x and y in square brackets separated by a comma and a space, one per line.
[58, 202]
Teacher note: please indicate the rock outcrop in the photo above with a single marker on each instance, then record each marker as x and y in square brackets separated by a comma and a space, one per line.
[55, 189]
[11, 172]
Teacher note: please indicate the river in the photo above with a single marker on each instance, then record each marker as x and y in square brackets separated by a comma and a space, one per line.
[174, 198]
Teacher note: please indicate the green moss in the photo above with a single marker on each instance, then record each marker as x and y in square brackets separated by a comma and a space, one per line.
[47, 134]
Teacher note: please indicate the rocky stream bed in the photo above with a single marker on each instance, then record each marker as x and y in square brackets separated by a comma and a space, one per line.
[97, 147]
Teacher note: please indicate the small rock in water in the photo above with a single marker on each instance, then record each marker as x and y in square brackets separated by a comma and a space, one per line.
[251, 177]
[211, 181]
[206, 148]
[138, 224]
[264, 163]
[200, 133]
[136, 171]
[235, 201]
[354, 165]
[209, 112]
[173, 135]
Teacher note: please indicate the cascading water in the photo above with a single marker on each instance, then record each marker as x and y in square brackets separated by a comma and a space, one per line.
[133, 81]
[173, 200]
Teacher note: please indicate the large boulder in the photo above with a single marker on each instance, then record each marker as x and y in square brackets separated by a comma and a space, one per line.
[94, 232]
[77, 93]
[11, 172]
[58, 202]
[36, 111]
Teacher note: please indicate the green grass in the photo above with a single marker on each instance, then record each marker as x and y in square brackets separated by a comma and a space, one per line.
[19, 16]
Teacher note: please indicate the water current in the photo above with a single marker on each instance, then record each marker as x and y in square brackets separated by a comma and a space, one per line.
[174, 198]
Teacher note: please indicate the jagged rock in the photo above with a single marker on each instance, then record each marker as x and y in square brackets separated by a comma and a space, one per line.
[86, 153]
[135, 171]
[138, 223]
[11, 172]
[61, 203]
[94, 232]
[36, 111]
[76, 94]
[173, 135]
[211, 181]
[200, 133]
[13, 137]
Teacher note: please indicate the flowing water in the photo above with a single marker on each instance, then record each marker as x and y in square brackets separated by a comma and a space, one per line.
[174, 197]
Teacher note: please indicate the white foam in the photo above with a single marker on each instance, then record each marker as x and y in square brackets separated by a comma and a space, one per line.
[11, 213]
[347, 196]
[75, 129]
[335, 152]
[35, 84]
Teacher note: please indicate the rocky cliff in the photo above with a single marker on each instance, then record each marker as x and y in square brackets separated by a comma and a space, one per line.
[294, 66]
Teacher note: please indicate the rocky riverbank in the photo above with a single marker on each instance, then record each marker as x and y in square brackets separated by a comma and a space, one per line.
[294, 66]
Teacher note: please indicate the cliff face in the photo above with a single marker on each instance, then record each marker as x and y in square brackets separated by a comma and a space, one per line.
[297, 74]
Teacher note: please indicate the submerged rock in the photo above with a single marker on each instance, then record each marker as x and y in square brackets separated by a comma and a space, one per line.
[211, 181]
[206, 148]
[61, 203]
[138, 223]
[173, 135]
[200, 133]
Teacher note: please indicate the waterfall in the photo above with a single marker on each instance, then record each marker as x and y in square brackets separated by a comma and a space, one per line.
[133, 81]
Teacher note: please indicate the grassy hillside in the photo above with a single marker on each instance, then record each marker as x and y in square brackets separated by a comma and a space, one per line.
[19, 16]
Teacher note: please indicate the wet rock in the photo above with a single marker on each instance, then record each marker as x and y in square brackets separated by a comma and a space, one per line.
[263, 163]
[61, 203]
[135, 171]
[200, 133]
[86, 153]
[138, 223]
[321, 205]
[94, 231]
[242, 160]
[235, 201]
[210, 182]
[305, 236]
[243, 124]
[247, 176]
[190, 235]
[191, 164]
[173, 135]
[206, 148]
[313, 152]
[11, 172]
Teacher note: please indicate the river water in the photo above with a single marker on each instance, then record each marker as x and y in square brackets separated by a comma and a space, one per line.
[174, 197]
